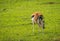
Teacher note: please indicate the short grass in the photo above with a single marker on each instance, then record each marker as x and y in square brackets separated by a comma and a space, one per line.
[15, 20]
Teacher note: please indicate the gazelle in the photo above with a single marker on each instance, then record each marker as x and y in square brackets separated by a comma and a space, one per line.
[38, 19]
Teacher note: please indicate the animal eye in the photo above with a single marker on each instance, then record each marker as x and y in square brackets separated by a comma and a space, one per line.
[32, 16]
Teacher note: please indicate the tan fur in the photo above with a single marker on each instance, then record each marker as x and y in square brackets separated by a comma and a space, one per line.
[36, 14]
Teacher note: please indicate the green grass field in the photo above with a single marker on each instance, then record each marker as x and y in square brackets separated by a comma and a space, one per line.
[15, 20]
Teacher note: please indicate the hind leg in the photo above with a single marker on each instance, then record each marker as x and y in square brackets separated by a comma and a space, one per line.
[39, 25]
[42, 24]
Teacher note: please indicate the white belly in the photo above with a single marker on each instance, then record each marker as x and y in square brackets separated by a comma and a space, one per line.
[33, 20]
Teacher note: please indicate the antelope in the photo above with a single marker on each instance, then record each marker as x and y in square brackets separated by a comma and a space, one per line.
[37, 18]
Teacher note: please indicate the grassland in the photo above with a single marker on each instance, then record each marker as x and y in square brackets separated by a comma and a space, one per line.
[15, 20]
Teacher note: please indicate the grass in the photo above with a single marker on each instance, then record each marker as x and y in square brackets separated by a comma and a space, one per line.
[15, 20]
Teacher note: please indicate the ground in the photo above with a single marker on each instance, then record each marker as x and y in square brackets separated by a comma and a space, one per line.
[16, 25]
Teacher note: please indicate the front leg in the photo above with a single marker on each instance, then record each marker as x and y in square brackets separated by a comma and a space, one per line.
[33, 24]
